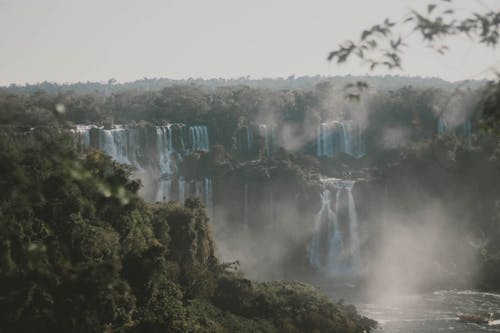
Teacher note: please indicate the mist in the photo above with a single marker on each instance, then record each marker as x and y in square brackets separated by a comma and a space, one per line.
[420, 251]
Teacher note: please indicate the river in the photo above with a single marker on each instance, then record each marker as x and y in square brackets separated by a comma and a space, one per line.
[427, 313]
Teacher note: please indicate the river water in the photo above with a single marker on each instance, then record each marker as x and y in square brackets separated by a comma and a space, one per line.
[428, 313]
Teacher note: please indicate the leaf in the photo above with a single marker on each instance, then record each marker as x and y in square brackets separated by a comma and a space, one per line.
[332, 55]
[365, 34]
[372, 44]
[430, 8]
[396, 43]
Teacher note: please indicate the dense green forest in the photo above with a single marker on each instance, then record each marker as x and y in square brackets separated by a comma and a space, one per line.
[82, 252]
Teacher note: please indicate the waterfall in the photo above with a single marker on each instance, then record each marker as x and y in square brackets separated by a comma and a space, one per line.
[325, 219]
[353, 231]
[199, 138]
[115, 144]
[182, 133]
[164, 190]
[327, 251]
[157, 149]
[340, 137]
[268, 133]
[135, 151]
[108, 143]
[83, 134]
[345, 137]
[209, 197]
[164, 145]
[181, 189]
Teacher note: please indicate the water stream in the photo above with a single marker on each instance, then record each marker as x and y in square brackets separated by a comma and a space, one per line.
[425, 313]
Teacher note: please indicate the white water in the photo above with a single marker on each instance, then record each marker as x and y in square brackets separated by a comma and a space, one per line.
[83, 134]
[268, 134]
[198, 138]
[209, 202]
[171, 143]
[432, 312]
[340, 137]
[333, 258]
[353, 231]
[325, 219]
[166, 153]
[114, 143]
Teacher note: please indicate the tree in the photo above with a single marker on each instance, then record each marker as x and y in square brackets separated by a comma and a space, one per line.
[383, 44]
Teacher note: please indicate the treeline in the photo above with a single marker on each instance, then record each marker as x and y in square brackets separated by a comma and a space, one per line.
[225, 109]
[289, 83]
[82, 252]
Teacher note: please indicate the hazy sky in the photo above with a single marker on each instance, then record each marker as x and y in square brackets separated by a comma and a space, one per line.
[90, 40]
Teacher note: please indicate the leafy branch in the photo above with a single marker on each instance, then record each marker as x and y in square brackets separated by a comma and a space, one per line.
[383, 44]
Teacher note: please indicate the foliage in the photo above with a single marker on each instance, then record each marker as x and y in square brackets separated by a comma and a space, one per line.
[81, 252]
[384, 44]
[291, 306]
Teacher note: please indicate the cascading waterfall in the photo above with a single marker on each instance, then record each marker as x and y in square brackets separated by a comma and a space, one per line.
[353, 231]
[129, 145]
[268, 132]
[209, 202]
[164, 190]
[83, 134]
[199, 138]
[329, 253]
[325, 219]
[182, 189]
[164, 145]
[340, 137]
[115, 144]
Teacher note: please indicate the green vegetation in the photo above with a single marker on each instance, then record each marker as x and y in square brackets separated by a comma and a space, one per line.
[82, 252]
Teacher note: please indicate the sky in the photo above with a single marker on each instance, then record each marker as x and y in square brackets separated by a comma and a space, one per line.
[95, 40]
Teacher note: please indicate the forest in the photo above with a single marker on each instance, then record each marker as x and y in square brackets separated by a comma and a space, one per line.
[82, 252]
[89, 244]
